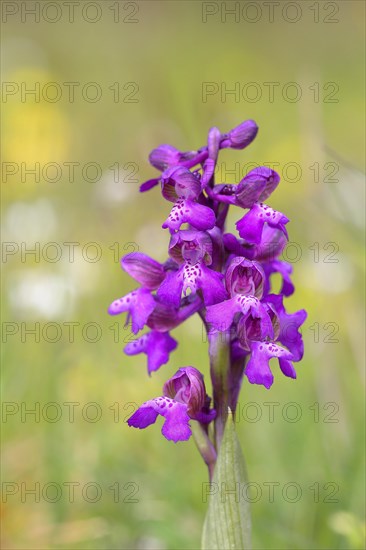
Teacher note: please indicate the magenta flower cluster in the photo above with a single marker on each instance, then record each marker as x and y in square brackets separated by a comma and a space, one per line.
[225, 278]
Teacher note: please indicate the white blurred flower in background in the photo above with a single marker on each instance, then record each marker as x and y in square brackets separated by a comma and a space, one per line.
[37, 292]
[32, 222]
[38, 287]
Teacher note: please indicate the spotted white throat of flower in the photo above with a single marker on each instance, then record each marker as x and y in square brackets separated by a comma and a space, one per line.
[191, 274]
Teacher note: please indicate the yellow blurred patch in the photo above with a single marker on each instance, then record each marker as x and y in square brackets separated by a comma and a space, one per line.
[34, 128]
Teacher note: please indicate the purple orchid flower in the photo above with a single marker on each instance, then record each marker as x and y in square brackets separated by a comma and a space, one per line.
[250, 227]
[221, 315]
[289, 323]
[184, 399]
[176, 426]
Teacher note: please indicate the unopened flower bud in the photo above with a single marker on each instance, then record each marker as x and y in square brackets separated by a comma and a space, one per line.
[256, 186]
[213, 143]
[243, 135]
[164, 156]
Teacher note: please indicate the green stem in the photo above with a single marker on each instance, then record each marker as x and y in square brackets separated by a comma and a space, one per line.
[219, 351]
[205, 447]
[236, 380]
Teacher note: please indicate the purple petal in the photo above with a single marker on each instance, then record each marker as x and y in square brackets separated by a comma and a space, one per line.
[141, 309]
[249, 303]
[166, 317]
[139, 303]
[255, 325]
[122, 304]
[285, 269]
[164, 156]
[186, 211]
[179, 182]
[244, 277]
[159, 346]
[149, 184]
[251, 186]
[190, 273]
[210, 282]
[143, 417]
[221, 315]
[241, 136]
[233, 245]
[137, 346]
[213, 143]
[156, 345]
[187, 386]
[272, 244]
[143, 269]
[250, 227]
[290, 323]
[205, 417]
[191, 245]
[272, 182]
[198, 276]
[208, 172]
[257, 369]
[287, 368]
[176, 426]
[170, 290]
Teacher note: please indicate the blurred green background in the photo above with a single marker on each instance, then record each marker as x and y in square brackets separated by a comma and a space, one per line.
[150, 63]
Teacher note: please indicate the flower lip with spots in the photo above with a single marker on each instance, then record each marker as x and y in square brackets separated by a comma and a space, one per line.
[187, 211]
[250, 227]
